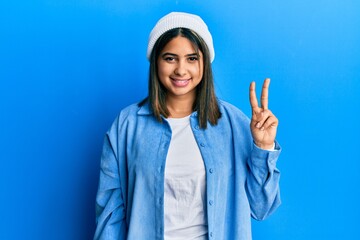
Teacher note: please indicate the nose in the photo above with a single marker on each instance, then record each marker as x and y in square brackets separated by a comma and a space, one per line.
[180, 68]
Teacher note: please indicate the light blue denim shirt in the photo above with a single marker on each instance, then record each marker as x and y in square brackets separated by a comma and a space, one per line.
[242, 181]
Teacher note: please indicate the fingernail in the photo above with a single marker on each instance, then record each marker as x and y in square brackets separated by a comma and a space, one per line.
[258, 125]
[262, 129]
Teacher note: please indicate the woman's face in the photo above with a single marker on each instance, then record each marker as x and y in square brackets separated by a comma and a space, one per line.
[180, 68]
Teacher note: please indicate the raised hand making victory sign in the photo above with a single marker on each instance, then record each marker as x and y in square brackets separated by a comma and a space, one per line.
[263, 122]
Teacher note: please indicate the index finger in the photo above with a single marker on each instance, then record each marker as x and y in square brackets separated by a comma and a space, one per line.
[252, 95]
[265, 94]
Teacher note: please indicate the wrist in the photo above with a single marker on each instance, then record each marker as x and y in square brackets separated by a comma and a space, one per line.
[265, 146]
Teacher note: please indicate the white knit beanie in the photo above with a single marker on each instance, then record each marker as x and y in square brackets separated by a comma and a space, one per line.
[181, 20]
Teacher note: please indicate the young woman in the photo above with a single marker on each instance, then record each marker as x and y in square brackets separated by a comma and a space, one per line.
[183, 164]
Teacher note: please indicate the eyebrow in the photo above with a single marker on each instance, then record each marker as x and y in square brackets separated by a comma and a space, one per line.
[175, 55]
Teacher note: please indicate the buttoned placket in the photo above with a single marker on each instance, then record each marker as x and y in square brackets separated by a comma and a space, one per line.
[208, 162]
[160, 178]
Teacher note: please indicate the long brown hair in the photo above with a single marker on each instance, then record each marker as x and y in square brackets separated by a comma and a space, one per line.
[206, 103]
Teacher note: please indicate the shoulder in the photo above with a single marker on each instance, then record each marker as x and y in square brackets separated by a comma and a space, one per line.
[227, 105]
[230, 110]
[234, 118]
[129, 111]
[136, 109]
[127, 115]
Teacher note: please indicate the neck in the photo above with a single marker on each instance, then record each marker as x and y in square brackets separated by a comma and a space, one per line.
[179, 107]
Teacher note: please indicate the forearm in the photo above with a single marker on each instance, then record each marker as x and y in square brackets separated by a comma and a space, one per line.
[263, 182]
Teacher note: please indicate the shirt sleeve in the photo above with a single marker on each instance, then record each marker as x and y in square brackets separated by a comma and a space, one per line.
[263, 182]
[110, 210]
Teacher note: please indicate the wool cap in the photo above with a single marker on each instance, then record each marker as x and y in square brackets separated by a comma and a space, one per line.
[181, 20]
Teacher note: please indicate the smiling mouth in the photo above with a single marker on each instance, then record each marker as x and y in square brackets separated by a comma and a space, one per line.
[180, 82]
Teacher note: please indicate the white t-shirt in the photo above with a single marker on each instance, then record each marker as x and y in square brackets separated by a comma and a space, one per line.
[184, 186]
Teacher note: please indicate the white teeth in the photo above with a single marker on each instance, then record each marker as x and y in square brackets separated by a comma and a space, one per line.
[181, 80]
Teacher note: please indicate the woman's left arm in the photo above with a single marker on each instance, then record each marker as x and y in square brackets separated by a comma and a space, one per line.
[263, 179]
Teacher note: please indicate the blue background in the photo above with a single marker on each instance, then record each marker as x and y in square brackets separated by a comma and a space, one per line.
[67, 67]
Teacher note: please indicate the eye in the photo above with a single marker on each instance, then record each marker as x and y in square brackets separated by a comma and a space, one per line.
[193, 59]
[169, 59]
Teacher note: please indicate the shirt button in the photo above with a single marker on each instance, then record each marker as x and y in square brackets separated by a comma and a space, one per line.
[211, 234]
[202, 144]
[197, 127]
[160, 200]
[211, 170]
[211, 202]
